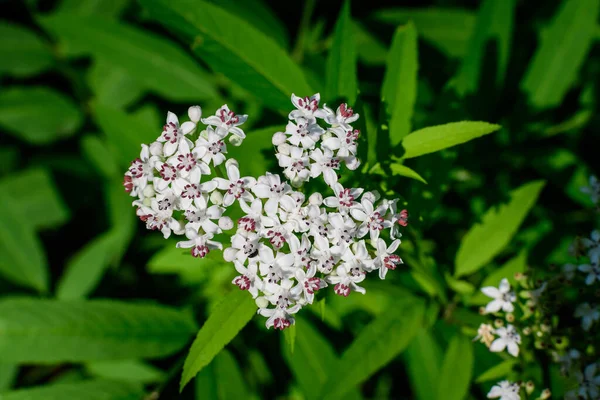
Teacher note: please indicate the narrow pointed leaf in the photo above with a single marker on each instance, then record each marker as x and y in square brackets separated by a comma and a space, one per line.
[435, 138]
[399, 90]
[228, 318]
[457, 369]
[341, 61]
[497, 372]
[53, 331]
[244, 54]
[403, 170]
[125, 370]
[423, 360]
[499, 224]
[89, 390]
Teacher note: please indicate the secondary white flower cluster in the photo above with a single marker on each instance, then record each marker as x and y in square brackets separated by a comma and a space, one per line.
[505, 390]
[288, 245]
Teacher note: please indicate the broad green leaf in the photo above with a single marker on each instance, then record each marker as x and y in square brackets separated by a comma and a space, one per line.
[124, 132]
[403, 170]
[113, 86]
[457, 369]
[448, 29]
[22, 258]
[493, 28]
[341, 61]
[423, 360]
[43, 206]
[85, 269]
[369, 49]
[562, 51]
[399, 89]
[435, 138]
[8, 374]
[228, 318]
[89, 390]
[101, 157]
[22, 52]
[459, 286]
[497, 372]
[38, 115]
[499, 224]
[105, 9]
[376, 345]
[157, 63]
[126, 370]
[508, 271]
[43, 331]
[245, 55]
[230, 382]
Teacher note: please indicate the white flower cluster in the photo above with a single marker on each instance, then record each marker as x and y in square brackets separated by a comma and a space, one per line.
[505, 390]
[287, 246]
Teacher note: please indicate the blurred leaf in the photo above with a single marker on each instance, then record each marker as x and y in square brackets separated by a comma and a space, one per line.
[22, 258]
[562, 51]
[435, 138]
[158, 64]
[173, 260]
[8, 375]
[499, 224]
[494, 27]
[126, 370]
[52, 331]
[22, 52]
[399, 90]
[369, 49]
[457, 369]
[508, 271]
[459, 286]
[223, 324]
[376, 345]
[423, 361]
[114, 86]
[230, 382]
[86, 268]
[290, 338]
[403, 170]
[125, 132]
[33, 192]
[38, 115]
[251, 154]
[257, 13]
[497, 372]
[9, 159]
[341, 60]
[244, 54]
[448, 29]
[89, 390]
[121, 218]
[104, 9]
[100, 156]
[206, 384]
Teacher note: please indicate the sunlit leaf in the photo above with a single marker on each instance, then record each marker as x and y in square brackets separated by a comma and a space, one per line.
[22, 52]
[499, 224]
[89, 390]
[43, 331]
[126, 370]
[341, 60]
[457, 369]
[403, 170]
[38, 115]
[497, 372]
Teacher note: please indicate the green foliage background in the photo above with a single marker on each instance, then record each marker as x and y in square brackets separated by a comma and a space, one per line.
[84, 82]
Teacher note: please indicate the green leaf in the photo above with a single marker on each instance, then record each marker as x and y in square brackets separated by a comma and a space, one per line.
[126, 370]
[22, 52]
[230, 382]
[497, 372]
[341, 60]
[104, 9]
[43, 206]
[435, 138]
[173, 260]
[157, 63]
[448, 29]
[257, 142]
[8, 375]
[114, 86]
[563, 49]
[377, 345]
[399, 89]
[38, 115]
[508, 271]
[403, 170]
[125, 132]
[486, 239]
[228, 318]
[290, 338]
[100, 156]
[53, 331]
[89, 390]
[494, 26]
[206, 384]
[369, 49]
[423, 358]
[85, 270]
[457, 369]
[459, 286]
[244, 54]
[22, 258]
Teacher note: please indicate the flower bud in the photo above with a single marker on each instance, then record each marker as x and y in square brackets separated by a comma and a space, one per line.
[149, 191]
[316, 199]
[529, 387]
[195, 113]
[284, 148]
[225, 223]
[278, 138]
[498, 323]
[262, 302]
[510, 317]
[545, 394]
[156, 149]
[216, 198]
[231, 161]
[235, 140]
[352, 163]
[147, 202]
[527, 331]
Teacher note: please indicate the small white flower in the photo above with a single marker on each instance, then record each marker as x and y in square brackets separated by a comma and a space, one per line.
[397, 219]
[503, 297]
[569, 271]
[386, 259]
[344, 198]
[248, 278]
[275, 267]
[226, 121]
[344, 142]
[269, 187]
[343, 117]
[485, 334]
[593, 190]
[307, 107]
[593, 246]
[307, 285]
[200, 244]
[236, 187]
[345, 281]
[195, 113]
[505, 390]
[279, 317]
[200, 215]
[244, 245]
[173, 134]
[295, 165]
[324, 164]
[372, 218]
[589, 383]
[588, 315]
[210, 147]
[593, 271]
[507, 338]
[302, 133]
